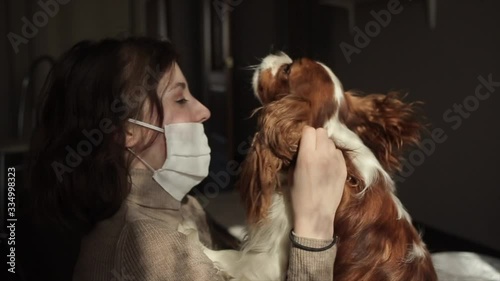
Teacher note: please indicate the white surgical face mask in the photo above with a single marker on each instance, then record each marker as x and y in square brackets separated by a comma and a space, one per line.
[188, 157]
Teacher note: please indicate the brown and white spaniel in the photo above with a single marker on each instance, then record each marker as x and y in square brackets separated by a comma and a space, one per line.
[377, 239]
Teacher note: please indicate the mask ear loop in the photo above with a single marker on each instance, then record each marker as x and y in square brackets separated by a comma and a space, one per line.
[142, 160]
[144, 124]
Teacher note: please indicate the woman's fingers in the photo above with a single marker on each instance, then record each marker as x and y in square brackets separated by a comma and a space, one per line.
[318, 182]
[307, 141]
[320, 139]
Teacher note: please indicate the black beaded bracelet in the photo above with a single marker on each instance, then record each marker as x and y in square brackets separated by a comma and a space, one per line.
[310, 249]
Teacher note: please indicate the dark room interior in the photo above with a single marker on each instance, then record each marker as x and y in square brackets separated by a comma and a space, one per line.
[442, 53]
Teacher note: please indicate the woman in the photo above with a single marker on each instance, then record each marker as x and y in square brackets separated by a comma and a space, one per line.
[119, 145]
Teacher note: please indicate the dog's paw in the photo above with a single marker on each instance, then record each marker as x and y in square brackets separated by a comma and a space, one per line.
[226, 261]
[189, 229]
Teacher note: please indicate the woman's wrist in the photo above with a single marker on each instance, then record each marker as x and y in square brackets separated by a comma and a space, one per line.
[314, 227]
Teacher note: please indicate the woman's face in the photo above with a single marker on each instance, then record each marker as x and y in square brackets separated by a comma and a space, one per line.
[179, 106]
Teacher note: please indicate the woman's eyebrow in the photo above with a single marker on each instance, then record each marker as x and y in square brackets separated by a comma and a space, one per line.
[168, 88]
[182, 85]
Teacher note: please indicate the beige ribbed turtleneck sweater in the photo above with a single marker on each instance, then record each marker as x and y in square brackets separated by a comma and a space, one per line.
[141, 242]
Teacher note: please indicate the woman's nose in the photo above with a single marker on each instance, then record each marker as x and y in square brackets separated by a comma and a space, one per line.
[202, 114]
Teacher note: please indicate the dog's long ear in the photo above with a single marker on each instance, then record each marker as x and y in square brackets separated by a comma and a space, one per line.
[274, 148]
[258, 179]
[386, 124]
[281, 123]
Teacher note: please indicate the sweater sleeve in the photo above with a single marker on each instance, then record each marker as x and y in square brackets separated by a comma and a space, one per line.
[308, 266]
[149, 252]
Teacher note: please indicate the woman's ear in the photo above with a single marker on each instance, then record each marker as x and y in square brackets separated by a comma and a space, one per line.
[132, 135]
[386, 124]
[138, 136]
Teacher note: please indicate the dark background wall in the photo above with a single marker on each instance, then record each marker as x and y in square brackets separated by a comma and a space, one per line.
[184, 30]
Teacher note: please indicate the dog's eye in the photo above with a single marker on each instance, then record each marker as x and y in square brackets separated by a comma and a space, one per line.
[352, 181]
[287, 68]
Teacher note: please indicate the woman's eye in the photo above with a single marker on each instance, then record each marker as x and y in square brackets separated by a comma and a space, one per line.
[287, 68]
[181, 101]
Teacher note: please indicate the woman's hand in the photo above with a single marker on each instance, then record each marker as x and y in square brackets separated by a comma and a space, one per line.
[318, 184]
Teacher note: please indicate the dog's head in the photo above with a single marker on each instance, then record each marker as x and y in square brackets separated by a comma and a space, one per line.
[373, 130]
[280, 83]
